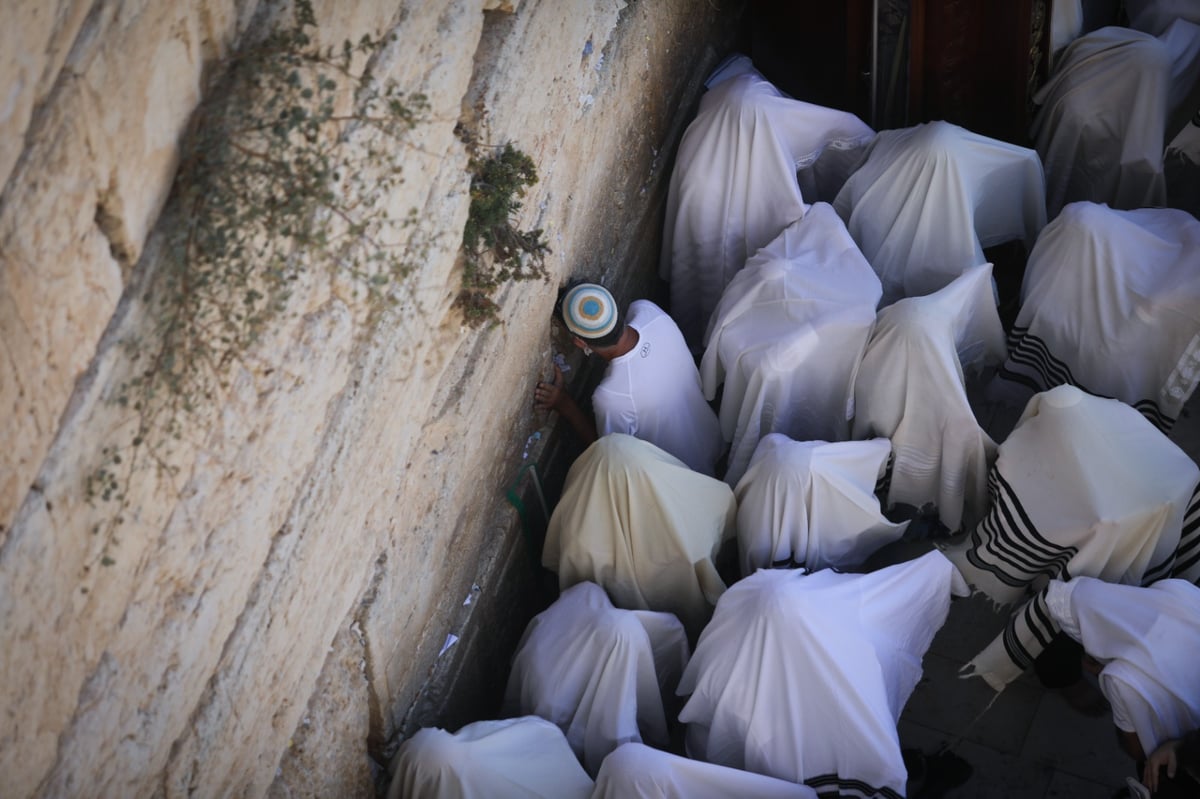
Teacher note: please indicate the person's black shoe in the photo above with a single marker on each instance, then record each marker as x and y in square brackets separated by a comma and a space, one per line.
[931, 776]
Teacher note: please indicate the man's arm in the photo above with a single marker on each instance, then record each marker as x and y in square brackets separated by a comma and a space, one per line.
[1169, 755]
[1131, 745]
[554, 397]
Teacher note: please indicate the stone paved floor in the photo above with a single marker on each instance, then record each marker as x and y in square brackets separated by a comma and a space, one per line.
[1028, 744]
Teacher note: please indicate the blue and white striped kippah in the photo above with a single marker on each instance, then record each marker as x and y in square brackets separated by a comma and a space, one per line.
[589, 311]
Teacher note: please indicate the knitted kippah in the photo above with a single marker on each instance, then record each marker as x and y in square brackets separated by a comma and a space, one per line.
[589, 311]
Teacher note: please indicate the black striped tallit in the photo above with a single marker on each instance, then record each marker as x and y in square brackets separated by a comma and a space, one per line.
[831, 786]
[1031, 363]
[1029, 631]
[1184, 562]
[884, 484]
[1008, 545]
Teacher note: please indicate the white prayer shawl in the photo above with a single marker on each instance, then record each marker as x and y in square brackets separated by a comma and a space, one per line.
[812, 504]
[734, 187]
[1083, 487]
[803, 677]
[645, 527]
[929, 198]
[910, 389]
[598, 672]
[787, 337]
[1148, 638]
[525, 758]
[1066, 23]
[635, 771]
[1155, 16]
[1182, 40]
[1103, 115]
[1111, 304]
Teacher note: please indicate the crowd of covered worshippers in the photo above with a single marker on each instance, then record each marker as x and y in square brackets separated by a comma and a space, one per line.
[831, 284]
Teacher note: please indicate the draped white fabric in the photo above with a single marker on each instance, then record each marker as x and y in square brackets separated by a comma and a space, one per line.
[1148, 638]
[734, 187]
[1111, 303]
[635, 771]
[645, 527]
[1103, 115]
[910, 389]
[812, 504]
[1087, 487]
[929, 198]
[1155, 16]
[1084, 486]
[525, 758]
[1066, 23]
[787, 337]
[598, 672]
[803, 677]
[1182, 41]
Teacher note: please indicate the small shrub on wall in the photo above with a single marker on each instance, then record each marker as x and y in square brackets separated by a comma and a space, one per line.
[496, 252]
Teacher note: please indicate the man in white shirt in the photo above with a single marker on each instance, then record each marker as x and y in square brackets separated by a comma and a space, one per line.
[651, 389]
[1143, 642]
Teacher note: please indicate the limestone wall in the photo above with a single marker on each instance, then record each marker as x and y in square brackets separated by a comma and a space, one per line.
[271, 613]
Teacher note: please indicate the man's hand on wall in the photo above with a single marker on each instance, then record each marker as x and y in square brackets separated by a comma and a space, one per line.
[553, 396]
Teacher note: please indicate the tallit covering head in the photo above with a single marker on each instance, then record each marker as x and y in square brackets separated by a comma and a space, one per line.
[1147, 638]
[1066, 24]
[787, 336]
[1103, 115]
[1083, 487]
[524, 758]
[597, 672]
[929, 198]
[910, 389]
[812, 504]
[635, 771]
[1156, 16]
[1111, 303]
[803, 677]
[644, 526]
[734, 185]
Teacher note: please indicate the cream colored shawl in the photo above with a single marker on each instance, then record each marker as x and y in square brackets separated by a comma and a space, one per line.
[638, 522]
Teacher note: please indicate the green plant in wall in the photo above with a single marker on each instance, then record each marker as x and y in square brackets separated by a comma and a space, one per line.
[286, 172]
[496, 251]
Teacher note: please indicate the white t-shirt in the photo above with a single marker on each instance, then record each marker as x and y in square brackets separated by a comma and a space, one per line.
[1147, 637]
[653, 393]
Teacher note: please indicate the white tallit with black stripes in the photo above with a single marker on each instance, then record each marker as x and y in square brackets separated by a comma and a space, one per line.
[803, 676]
[1084, 486]
[1110, 303]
